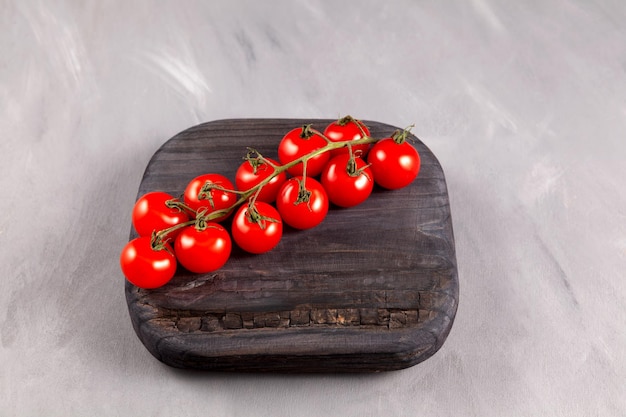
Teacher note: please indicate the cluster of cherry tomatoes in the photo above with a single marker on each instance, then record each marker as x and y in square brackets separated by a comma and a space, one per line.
[313, 171]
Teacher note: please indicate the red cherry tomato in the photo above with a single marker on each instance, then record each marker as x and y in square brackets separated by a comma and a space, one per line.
[249, 176]
[203, 251]
[257, 230]
[348, 182]
[394, 165]
[212, 199]
[145, 265]
[299, 142]
[344, 129]
[151, 214]
[302, 204]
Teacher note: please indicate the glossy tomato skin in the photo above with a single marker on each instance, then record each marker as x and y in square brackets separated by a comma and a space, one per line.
[146, 267]
[350, 129]
[294, 146]
[343, 189]
[221, 199]
[151, 214]
[303, 215]
[202, 251]
[246, 178]
[394, 165]
[261, 236]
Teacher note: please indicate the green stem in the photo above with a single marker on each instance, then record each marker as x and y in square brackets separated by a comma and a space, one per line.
[400, 136]
[161, 235]
[245, 195]
[177, 204]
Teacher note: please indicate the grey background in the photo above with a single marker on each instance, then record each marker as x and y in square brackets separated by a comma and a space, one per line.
[524, 104]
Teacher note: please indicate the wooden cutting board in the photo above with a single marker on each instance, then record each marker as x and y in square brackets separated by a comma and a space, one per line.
[373, 288]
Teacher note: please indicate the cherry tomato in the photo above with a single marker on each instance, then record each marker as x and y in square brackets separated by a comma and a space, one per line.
[344, 129]
[302, 204]
[299, 142]
[259, 229]
[249, 176]
[151, 214]
[203, 251]
[395, 165]
[347, 181]
[210, 199]
[146, 265]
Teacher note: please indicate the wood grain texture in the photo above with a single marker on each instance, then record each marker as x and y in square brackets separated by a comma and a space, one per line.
[373, 288]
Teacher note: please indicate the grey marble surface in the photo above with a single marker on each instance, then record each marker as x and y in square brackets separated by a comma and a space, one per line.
[524, 104]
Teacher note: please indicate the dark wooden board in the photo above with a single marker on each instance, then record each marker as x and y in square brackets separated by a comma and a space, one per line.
[373, 288]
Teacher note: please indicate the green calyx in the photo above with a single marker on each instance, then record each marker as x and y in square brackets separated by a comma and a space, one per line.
[306, 132]
[304, 195]
[253, 216]
[345, 120]
[401, 136]
[158, 243]
[255, 159]
[351, 166]
[205, 192]
[202, 221]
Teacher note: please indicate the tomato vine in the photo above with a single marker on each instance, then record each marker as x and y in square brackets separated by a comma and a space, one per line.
[202, 245]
